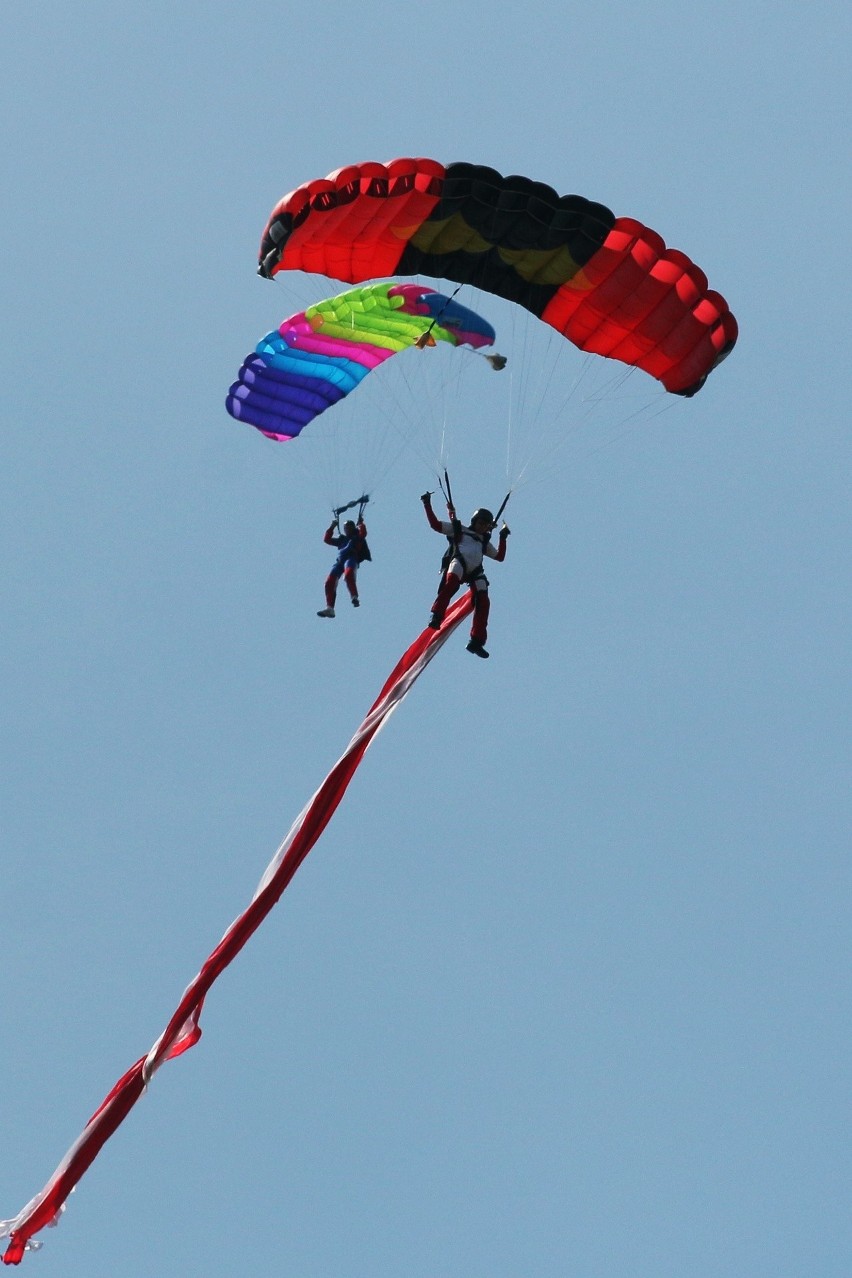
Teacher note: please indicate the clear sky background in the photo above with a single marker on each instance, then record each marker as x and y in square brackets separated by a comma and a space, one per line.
[564, 988]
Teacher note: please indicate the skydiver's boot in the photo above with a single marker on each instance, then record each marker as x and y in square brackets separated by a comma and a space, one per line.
[476, 648]
[330, 596]
[356, 602]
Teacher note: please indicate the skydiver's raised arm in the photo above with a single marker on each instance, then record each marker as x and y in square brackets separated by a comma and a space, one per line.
[434, 521]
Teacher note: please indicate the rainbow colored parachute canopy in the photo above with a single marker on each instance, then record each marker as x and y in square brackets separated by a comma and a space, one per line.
[607, 283]
[318, 356]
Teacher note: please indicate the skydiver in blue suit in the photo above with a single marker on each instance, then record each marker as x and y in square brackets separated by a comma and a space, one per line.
[353, 550]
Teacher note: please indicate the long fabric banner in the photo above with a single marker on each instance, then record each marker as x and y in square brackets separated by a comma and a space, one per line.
[184, 1030]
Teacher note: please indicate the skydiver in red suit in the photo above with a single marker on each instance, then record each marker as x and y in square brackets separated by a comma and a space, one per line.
[462, 563]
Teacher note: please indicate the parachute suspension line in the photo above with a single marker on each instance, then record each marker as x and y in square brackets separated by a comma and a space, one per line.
[349, 446]
[560, 405]
[532, 436]
[529, 382]
[430, 405]
[587, 400]
[404, 419]
[628, 423]
[509, 425]
[419, 416]
[443, 450]
[377, 471]
[392, 420]
[538, 455]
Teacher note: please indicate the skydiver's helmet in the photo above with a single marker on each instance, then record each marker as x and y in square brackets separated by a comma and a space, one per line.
[484, 515]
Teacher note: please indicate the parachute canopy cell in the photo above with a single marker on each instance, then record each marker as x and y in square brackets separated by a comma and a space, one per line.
[321, 354]
[608, 284]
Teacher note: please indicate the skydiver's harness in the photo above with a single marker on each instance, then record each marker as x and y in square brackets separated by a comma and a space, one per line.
[354, 550]
[471, 575]
[453, 551]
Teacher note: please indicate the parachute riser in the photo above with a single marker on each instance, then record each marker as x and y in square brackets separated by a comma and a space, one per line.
[503, 506]
[360, 502]
[447, 492]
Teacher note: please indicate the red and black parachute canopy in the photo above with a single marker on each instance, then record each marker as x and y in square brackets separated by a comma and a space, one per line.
[608, 284]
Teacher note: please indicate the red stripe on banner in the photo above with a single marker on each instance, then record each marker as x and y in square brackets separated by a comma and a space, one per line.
[183, 1030]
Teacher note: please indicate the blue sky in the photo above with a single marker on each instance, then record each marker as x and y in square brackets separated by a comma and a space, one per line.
[563, 989]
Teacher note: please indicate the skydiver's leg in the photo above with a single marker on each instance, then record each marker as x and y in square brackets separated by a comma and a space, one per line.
[331, 585]
[481, 608]
[448, 588]
[351, 586]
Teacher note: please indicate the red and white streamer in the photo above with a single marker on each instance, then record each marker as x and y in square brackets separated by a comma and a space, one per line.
[184, 1030]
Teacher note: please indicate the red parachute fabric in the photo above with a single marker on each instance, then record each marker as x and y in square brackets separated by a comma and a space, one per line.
[183, 1030]
[608, 284]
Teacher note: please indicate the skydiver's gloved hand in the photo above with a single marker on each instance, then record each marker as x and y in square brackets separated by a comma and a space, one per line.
[426, 498]
[505, 531]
